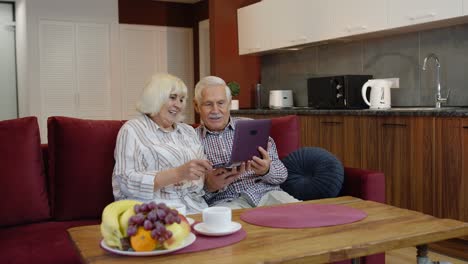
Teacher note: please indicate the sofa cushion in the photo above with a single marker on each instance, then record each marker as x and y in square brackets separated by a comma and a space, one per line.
[22, 178]
[285, 131]
[46, 242]
[313, 173]
[81, 161]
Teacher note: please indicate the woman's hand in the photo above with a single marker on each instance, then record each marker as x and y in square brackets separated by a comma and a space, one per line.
[193, 170]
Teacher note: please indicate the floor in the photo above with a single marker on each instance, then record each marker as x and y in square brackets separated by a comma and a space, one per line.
[408, 256]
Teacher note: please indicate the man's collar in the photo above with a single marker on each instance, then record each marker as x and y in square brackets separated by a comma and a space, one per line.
[231, 125]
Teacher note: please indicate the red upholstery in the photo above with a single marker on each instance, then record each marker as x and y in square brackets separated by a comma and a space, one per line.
[80, 158]
[81, 162]
[40, 243]
[365, 184]
[22, 179]
[286, 131]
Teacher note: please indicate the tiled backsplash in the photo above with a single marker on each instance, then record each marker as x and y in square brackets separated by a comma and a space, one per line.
[398, 56]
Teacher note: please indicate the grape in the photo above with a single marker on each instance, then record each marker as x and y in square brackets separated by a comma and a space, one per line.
[136, 208]
[174, 212]
[152, 206]
[144, 208]
[148, 225]
[131, 230]
[139, 219]
[161, 214]
[154, 234]
[152, 216]
[177, 219]
[162, 206]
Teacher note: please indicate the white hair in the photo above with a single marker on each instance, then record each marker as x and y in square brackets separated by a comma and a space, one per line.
[157, 91]
[210, 81]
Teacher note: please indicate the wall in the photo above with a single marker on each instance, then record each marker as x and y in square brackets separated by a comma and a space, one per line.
[28, 15]
[147, 12]
[225, 60]
[393, 56]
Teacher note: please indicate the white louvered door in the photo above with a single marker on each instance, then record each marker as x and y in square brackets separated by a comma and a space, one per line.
[180, 63]
[146, 50]
[57, 68]
[93, 71]
[74, 70]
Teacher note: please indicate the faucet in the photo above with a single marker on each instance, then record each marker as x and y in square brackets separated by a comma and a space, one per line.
[439, 98]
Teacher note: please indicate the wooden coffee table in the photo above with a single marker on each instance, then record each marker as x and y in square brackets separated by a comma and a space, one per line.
[386, 228]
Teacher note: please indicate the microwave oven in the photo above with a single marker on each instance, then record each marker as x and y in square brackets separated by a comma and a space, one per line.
[336, 92]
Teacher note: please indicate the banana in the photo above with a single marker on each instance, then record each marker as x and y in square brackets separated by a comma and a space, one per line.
[110, 226]
[124, 218]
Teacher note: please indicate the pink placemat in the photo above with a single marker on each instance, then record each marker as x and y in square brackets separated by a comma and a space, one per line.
[303, 215]
[210, 242]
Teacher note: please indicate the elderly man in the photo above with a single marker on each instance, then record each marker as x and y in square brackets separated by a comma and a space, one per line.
[253, 184]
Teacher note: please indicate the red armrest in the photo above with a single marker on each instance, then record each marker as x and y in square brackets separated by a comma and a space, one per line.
[364, 184]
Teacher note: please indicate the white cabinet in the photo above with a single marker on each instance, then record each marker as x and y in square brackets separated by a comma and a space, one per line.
[298, 22]
[357, 17]
[404, 13]
[465, 7]
[74, 69]
[254, 27]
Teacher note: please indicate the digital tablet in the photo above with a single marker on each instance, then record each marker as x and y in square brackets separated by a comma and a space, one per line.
[248, 136]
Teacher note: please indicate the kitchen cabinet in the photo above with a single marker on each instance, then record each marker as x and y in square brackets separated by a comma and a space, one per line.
[449, 183]
[464, 174]
[405, 157]
[254, 29]
[340, 136]
[404, 13]
[356, 17]
[465, 7]
[305, 21]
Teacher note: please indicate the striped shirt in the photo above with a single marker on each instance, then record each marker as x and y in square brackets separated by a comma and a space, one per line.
[218, 147]
[142, 150]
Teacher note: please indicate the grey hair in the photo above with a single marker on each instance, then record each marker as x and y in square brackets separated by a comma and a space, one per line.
[157, 91]
[210, 81]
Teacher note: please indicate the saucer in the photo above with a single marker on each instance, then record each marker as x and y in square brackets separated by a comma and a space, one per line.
[190, 220]
[201, 228]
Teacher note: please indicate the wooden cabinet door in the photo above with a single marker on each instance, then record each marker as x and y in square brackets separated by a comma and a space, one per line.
[340, 136]
[464, 176]
[448, 180]
[405, 157]
[369, 132]
[404, 13]
[310, 131]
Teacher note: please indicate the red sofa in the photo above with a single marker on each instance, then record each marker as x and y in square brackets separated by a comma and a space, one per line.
[48, 189]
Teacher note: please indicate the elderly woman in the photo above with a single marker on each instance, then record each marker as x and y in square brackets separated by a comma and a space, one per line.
[157, 157]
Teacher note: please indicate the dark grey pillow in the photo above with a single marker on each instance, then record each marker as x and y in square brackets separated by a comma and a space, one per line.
[313, 173]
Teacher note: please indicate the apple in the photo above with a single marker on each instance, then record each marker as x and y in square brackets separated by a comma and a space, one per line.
[179, 233]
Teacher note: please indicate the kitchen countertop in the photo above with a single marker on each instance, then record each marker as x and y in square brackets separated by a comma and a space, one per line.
[449, 111]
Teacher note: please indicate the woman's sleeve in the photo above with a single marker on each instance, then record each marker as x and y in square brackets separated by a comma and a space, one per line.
[129, 171]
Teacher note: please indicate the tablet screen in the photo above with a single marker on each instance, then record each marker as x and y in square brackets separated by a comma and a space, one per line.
[248, 136]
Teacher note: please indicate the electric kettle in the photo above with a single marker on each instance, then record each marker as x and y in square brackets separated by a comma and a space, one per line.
[380, 97]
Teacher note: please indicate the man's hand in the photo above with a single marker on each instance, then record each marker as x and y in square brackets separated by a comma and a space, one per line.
[260, 166]
[219, 178]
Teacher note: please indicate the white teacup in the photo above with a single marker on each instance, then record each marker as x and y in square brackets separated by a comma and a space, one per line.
[181, 208]
[217, 218]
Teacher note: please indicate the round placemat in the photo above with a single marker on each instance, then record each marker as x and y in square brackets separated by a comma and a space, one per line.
[210, 242]
[303, 215]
